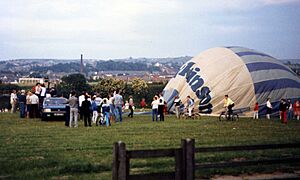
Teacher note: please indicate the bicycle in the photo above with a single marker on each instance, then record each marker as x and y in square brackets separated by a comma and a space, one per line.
[224, 116]
[185, 114]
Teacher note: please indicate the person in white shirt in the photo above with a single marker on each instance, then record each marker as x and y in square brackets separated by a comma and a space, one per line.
[161, 98]
[43, 91]
[13, 101]
[38, 89]
[34, 106]
[81, 98]
[99, 102]
[190, 105]
[154, 105]
[269, 108]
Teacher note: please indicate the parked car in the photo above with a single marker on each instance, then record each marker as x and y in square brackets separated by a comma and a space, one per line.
[54, 108]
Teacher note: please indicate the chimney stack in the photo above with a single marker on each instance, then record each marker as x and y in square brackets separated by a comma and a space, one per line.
[81, 64]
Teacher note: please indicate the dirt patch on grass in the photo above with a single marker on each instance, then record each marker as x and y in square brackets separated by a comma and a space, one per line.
[260, 176]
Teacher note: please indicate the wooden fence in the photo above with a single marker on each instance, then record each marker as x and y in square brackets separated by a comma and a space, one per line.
[185, 159]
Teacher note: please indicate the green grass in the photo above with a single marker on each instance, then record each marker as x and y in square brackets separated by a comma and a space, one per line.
[32, 149]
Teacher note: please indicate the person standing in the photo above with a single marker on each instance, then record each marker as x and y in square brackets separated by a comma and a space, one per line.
[297, 109]
[255, 115]
[86, 111]
[229, 104]
[289, 110]
[269, 108]
[80, 100]
[111, 102]
[154, 105]
[13, 101]
[73, 103]
[28, 103]
[98, 101]
[105, 112]
[22, 103]
[177, 106]
[161, 97]
[34, 106]
[161, 106]
[38, 89]
[95, 110]
[131, 105]
[43, 92]
[282, 110]
[118, 99]
[190, 105]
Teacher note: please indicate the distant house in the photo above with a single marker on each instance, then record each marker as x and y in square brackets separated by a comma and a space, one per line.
[26, 81]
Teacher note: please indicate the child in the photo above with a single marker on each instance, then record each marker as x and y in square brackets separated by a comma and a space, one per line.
[105, 111]
[255, 115]
[126, 107]
[143, 104]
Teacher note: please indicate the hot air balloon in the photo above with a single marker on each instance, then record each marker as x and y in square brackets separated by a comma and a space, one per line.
[246, 75]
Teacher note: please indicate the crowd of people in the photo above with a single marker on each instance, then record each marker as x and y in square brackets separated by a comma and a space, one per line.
[29, 102]
[97, 110]
[287, 109]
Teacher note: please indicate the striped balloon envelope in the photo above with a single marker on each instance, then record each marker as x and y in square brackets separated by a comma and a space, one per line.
[246, 75]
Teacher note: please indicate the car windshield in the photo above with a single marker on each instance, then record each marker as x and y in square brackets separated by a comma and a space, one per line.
[56, 101]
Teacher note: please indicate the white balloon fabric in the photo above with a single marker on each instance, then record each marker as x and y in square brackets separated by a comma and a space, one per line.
[247, 76]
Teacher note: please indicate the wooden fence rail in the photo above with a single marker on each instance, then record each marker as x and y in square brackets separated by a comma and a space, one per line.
[185, 159]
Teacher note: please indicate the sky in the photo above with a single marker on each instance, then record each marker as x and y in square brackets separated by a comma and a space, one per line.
[109, 29]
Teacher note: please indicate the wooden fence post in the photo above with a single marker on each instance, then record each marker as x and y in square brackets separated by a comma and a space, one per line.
[183, 156]
[178, 164]
[190, 159]
[115, 164]
[123, 169]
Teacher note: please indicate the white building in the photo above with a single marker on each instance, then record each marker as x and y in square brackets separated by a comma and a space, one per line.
[30, 81]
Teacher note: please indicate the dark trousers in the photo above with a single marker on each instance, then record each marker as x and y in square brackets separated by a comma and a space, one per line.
[87, 119]
[80, 113]
[67, 120]
[230, 110]
[131, 111]
[161, 112]
[22, 109]
[33, 111]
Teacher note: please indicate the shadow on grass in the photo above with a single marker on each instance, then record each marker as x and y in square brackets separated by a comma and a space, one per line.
[84, 168]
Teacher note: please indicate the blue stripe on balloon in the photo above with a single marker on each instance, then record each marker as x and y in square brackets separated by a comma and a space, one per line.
[257, 66]
[250, 53]
[270, 85]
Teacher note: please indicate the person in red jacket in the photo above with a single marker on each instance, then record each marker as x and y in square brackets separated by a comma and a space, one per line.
[297, 109]
[255, 115]
[143, 104]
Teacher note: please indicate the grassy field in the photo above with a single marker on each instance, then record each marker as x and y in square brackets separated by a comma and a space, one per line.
[32, 149]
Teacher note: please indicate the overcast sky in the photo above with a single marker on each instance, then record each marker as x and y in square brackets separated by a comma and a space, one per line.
[105, 29]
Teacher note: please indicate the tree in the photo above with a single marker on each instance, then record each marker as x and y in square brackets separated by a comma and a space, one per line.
[139, 86]
[106, 86]
[73, 82]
